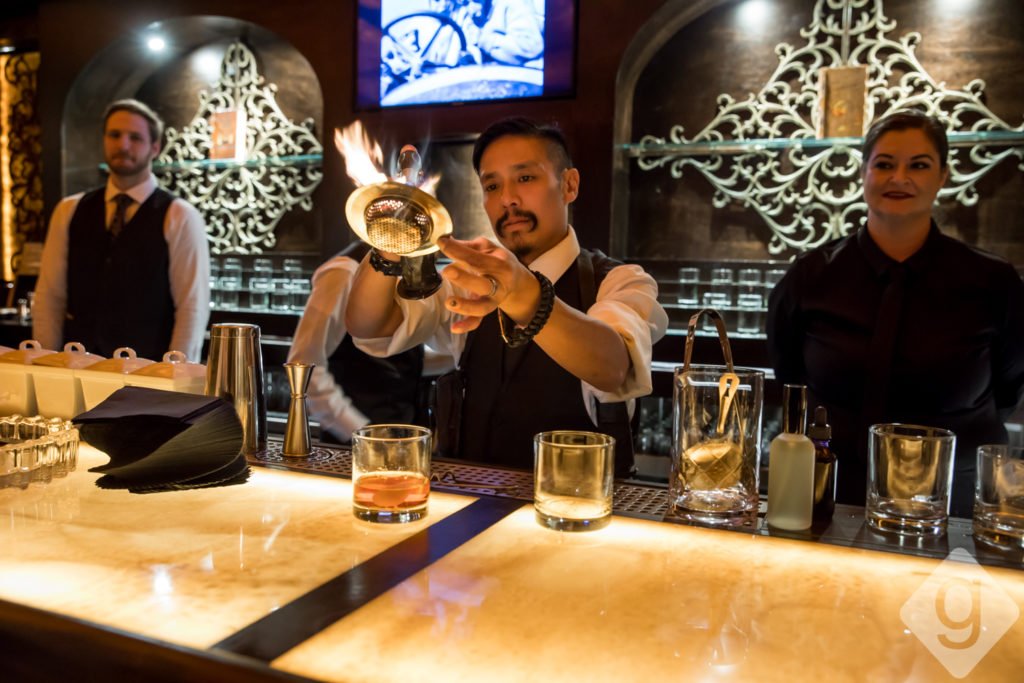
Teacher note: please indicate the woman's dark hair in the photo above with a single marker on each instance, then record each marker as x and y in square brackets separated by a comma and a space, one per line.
[521, 126]
[907, 119]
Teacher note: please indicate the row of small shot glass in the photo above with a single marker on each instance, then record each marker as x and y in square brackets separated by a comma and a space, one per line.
[744, 290]
[268, 290]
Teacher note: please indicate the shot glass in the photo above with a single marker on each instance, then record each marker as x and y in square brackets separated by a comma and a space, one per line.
[689, 278]
[573, 479]
[230, 283]
[749, 301]
[390, 473]
[280, 294]
[999, 497]
[910, 475]
[259, 293]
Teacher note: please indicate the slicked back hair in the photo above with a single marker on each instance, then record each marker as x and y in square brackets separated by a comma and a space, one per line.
[519, 126]
[907, 119]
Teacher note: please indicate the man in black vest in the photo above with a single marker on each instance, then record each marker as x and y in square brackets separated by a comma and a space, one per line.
[126, 264]
[350, 389]
[547, 336]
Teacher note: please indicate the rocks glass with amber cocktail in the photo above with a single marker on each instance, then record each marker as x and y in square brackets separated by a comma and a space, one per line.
[390, 473]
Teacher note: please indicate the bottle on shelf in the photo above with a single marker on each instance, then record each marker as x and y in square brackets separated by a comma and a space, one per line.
[820, 432]
[791, 466]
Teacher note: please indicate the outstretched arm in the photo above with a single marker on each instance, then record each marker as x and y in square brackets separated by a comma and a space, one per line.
[586, 347]
[372, 311]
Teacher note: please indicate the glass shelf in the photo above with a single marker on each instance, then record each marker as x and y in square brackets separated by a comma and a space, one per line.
[1010, 138]
[292, 161]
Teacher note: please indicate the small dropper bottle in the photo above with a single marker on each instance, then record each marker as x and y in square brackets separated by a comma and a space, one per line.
[820, 432]
[791, 465]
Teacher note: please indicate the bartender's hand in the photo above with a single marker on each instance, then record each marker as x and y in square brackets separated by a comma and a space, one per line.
[494, 278]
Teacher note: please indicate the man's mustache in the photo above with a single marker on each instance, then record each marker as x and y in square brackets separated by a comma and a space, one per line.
[509, 215]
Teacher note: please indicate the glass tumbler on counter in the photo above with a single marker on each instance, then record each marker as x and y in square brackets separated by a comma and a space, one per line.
[999, 497]
[719, 296]
[573, 474]
[689, 279]
[749, 301]
[390, 472]
[910, 476]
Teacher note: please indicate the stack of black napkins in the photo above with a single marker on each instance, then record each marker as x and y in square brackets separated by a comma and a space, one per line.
[165, 441]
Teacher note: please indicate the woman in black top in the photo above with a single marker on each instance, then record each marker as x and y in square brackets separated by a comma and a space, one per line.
[900, 323]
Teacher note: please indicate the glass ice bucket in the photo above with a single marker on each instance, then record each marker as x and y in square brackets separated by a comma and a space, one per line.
[716, 445]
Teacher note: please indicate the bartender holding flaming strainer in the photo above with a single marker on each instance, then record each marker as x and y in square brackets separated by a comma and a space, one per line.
[546, 335]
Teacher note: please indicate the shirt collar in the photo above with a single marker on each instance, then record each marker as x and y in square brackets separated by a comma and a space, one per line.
[139, 193]
[555, 261]
[881, 263]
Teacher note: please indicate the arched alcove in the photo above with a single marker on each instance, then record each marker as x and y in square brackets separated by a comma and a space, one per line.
[691, 55]
[171, 80]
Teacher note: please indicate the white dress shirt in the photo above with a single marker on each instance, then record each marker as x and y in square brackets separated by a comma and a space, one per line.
[189, 270]
[319, 333]
[627, 300]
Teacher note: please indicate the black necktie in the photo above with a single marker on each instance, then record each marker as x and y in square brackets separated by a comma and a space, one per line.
[121, 204]
[883, 346]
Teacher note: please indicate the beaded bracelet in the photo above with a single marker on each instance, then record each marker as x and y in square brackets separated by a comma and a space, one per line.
[521, 335]
[384, 266]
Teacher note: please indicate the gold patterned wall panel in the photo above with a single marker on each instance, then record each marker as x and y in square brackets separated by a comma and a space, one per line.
[21, 194]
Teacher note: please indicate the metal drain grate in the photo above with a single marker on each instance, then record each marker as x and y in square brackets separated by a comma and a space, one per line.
[460, 477]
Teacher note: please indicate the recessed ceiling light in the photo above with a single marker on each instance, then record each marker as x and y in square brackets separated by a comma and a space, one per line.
[156, 43]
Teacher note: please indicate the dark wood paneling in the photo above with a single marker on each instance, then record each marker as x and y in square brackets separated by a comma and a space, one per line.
[323, 30]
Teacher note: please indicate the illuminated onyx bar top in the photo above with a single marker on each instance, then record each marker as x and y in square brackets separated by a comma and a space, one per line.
[246, 573]
[647, 601]
[188, 567]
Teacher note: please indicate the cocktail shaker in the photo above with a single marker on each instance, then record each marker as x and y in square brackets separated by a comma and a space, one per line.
[234, 371]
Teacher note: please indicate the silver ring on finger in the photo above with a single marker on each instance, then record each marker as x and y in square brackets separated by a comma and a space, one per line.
[494, 285]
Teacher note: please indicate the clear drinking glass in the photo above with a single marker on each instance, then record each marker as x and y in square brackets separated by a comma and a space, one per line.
[689, 277]
[230, 282]
[260, 283]
[280, 294]
[390, 472]
[750, 301]
[214, 283]
[999, 497]
[573, 473]
[910, 476]
[259, 293]
[300, 289]
[716, 449]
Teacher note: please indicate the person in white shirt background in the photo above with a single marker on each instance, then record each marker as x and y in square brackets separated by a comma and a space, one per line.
[126, 264]
[348, 388]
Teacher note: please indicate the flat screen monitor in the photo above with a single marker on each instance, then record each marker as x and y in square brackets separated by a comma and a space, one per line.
[420, 52]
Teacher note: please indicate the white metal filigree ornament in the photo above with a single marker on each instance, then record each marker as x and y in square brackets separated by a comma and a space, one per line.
[762, 152]
[273, 167]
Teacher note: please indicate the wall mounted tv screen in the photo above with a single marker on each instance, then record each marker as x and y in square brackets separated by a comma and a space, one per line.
[417, 52]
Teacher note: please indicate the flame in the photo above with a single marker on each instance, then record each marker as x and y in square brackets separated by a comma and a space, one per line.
[363, 158]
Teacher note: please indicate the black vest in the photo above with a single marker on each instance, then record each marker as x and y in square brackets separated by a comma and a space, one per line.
[511, 394]
[385, 390]
[119, 290]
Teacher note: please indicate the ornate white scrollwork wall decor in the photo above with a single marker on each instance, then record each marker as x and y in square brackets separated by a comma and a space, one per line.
[242, 200]
[762, 151]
